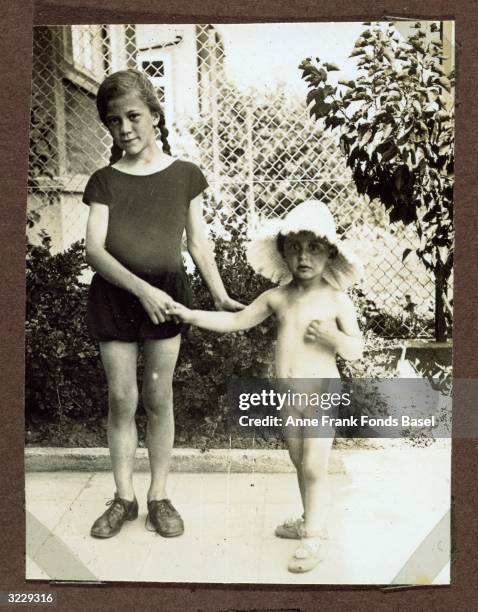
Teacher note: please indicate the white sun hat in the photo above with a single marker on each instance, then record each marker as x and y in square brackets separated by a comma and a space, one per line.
[342, 270]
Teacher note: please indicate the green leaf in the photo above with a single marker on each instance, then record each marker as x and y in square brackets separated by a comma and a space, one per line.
[316, 94]
[445, 83]
[334, 121]
[386, 132]
[329, 90]
[350, 84]
[401, 177]
[393, 96]
[381, 115]
[331, 67]
[320, 110]
[429, 216]
[390, 153]
[388, 55]
[417, 107]
[442, 101]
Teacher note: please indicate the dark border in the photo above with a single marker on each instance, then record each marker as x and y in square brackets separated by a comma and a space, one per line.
[17, 19]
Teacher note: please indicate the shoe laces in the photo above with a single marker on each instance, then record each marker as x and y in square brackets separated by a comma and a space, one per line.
[116, 507]
[162, 507]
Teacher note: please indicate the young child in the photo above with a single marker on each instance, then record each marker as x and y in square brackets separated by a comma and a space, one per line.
[316, 320]
[140, 206]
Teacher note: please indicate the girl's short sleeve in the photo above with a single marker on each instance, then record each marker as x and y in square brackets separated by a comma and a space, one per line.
[198, 182]
[96, 190]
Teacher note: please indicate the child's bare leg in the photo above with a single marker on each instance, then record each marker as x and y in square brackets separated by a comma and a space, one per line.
[314, 470]
[294, 446]
[294, 441]
[160, 360]
[119, 361]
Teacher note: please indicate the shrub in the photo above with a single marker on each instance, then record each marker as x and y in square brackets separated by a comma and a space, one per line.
[208, 360]
[63, 373]
[65, 379]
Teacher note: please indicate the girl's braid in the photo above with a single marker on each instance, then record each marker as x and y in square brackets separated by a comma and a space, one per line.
[116, 154]
[164, 133]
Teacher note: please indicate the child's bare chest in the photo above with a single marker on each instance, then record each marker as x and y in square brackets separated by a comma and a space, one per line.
[299, 312]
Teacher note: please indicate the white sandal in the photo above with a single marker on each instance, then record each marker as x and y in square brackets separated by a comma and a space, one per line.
[309, 553]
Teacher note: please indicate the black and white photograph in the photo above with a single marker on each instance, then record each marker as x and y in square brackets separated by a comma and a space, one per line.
[239, 303]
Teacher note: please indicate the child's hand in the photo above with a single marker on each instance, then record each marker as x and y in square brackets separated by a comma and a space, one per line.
[179, 312]
[323, 332]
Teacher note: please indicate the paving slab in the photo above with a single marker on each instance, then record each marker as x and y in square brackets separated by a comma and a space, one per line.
[382, 507]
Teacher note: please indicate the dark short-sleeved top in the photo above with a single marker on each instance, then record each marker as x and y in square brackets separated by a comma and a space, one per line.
[147, 214]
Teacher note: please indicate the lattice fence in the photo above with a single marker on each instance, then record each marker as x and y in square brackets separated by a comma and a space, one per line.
[259, 150]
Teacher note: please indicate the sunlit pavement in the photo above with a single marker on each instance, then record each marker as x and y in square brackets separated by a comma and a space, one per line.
[382, 508]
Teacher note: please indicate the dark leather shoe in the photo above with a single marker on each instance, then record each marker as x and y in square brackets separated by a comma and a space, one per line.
[111, 521]
[165, 519]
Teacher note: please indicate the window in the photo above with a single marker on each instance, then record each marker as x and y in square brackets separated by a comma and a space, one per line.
[157, 65]
[87, 50]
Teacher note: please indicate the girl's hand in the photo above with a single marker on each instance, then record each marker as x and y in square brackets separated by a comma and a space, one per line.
[179, 312]
[156, 303]
[227, 303]
[323, 332]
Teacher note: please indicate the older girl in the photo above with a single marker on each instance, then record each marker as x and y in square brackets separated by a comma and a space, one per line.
[140, 206]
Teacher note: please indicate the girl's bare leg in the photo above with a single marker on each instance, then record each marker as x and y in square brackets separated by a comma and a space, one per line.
[160, 357]
[295, 442]
[315, 460]
[314, 471]
[119, 362]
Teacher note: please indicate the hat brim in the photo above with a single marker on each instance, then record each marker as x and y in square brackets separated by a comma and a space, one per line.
[342, 271]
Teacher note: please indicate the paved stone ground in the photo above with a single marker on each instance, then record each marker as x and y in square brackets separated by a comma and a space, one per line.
[382, 508]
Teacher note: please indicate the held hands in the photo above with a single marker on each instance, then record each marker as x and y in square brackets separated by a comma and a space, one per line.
[156, 303]
[323, 332]
[179, 312]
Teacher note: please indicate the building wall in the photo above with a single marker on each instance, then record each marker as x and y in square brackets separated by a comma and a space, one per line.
[84, 134]
[157, 42]
[67, 140]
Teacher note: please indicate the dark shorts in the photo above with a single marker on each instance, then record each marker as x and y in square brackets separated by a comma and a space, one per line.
[116, 314]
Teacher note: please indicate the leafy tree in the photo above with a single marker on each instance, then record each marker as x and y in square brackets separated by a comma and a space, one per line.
[395, 126]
